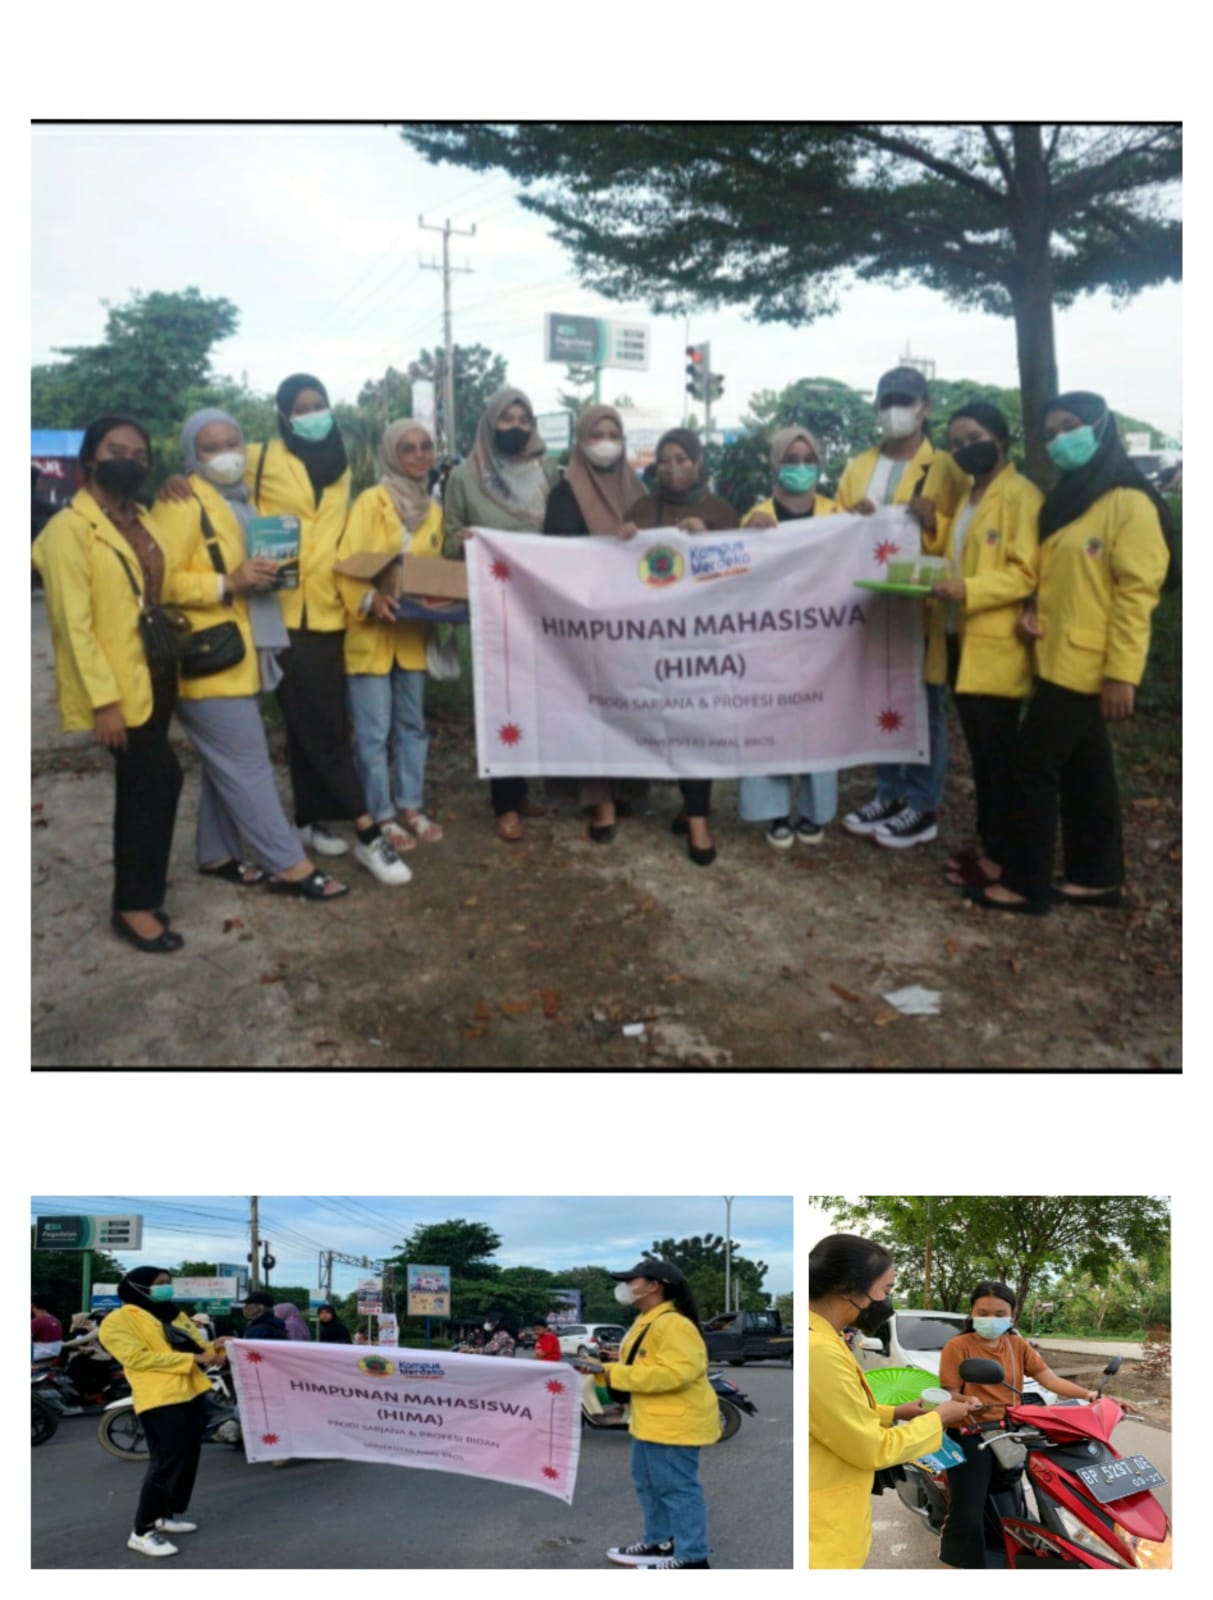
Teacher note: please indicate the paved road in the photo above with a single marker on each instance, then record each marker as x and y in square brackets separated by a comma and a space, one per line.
[1093, 1347]
[902, 1540]
[347, 1514]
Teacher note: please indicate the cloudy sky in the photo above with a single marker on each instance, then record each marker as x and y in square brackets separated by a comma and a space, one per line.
[313, 233]
[539, 1232]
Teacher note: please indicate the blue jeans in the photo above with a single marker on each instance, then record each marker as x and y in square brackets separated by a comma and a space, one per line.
[666, 1477]
[389, 710]
[813, 795]
[920, 786]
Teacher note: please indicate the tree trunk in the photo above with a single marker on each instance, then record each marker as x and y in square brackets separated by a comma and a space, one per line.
[1031, 289]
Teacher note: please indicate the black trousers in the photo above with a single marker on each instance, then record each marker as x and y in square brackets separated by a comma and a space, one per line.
[312, 696]
[962, 1542]
[696, 796]
[990, 724]
[1064, 757]
[147, 784]
[174, 1437]
[506, 794]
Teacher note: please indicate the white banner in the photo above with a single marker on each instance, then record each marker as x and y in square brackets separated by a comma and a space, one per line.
[517, 1422]
[696, 655]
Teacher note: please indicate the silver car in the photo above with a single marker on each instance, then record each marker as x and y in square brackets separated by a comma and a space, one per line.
[916, 1338]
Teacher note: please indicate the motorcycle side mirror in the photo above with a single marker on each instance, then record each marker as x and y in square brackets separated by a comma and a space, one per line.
[1112, 1366]
[980, 1369]
[866, 1342]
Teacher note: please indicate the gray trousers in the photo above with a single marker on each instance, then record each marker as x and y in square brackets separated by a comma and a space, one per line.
[238, 795]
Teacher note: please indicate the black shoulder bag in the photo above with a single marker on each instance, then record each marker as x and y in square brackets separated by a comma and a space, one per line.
[165, 630]
[215, 649]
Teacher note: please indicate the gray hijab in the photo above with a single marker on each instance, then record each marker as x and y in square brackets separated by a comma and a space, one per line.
[236, 494]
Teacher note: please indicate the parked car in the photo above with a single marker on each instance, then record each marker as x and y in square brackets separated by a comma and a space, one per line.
[585, 1338]
[741, 1336]
[915, 1339]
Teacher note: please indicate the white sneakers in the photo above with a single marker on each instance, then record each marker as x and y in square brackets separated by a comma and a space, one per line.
[381, 861]
[176, 1525]
[151, 1544]
[322, 841]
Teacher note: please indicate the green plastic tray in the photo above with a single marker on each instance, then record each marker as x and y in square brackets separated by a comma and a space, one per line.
[912, 591]
[894, 1386]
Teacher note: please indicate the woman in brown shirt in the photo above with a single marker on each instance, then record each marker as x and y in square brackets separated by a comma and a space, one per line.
[684, 501]
[991, 1308]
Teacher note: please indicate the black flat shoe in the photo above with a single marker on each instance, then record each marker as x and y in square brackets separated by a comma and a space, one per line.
[602, 835]
[1105, 897]
[679, 824]
[162, 916]
[1024, 907]
[164, 944]
[701, 858]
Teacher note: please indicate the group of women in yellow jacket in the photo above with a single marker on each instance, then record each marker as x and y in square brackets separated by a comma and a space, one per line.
[328, 648]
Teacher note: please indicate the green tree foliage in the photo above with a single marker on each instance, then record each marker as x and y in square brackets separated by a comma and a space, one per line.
[1013, 219]
[580, 392]
[598, 1302]
[156, 349]
[783, 1304]
[478, 374]
[57, 1279]
[465, 1247]
[701, 1261]
[1018, 1239]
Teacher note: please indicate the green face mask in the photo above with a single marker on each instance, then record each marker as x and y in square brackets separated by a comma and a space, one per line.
[1074, 449]
[160, 1291]
[799, 479]
[313, 426]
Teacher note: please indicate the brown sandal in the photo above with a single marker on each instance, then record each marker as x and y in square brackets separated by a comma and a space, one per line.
[509, 827]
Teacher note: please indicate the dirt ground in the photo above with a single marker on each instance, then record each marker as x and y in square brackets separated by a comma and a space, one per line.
[537, 955]
[1152, 1395]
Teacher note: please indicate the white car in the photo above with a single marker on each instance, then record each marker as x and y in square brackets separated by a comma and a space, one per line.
[915, 1339]
[584, 1338]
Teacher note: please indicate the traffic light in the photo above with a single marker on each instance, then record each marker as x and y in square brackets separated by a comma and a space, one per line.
[699, 360]
[716, 380]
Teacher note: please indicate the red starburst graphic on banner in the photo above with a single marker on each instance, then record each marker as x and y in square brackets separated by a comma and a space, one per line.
[253, 1356]
[554, 1386]
[550, 1472]
[889, 720]
[884, 550]
[510, 733]
[500, 570]
[269, 1438]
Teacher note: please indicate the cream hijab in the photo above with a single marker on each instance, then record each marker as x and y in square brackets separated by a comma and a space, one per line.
[604, 496]
[800, 504]
[518, 484]
[410, 496]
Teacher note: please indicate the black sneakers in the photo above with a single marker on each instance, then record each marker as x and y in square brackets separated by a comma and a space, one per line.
[868, 818]
[641, 1554]
[907, 828]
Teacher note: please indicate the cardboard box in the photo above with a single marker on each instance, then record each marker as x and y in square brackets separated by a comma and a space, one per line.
[426, 576]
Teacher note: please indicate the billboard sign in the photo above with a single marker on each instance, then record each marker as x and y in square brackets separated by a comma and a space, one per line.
[556, 430]
[568, 1312]
[370, 1297]
[88, 1233]
[429, 1291]
[596, 342]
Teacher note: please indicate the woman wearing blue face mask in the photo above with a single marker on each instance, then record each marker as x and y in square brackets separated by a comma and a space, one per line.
[991, 1309]
[1103, 556]
[795, 470]
[164, 1356]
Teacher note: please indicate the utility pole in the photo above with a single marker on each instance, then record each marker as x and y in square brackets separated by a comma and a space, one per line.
[926, 1287]
[255, 1257]
[446, 269]
[728, 1251]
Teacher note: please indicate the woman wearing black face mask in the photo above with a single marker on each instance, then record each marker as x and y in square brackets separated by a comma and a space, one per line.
[503, 484]
[850, 1436]
[101, 561]
[991, 540]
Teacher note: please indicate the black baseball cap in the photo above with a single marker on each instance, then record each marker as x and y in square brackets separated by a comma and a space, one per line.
[658, 1271]
[258, 1297]
[902, 380]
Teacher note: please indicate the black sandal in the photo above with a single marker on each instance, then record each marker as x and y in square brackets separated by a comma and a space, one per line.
[1023, 907]
[1104, 897]
[235, 872]
[602, 834]
[312, 887]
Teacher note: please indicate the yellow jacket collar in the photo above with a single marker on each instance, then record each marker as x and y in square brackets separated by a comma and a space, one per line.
[90, 509]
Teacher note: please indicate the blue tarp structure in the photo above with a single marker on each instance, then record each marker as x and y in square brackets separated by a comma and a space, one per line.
[55, 442]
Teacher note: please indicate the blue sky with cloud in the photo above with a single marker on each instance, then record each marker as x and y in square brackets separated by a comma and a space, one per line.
[551, 1232]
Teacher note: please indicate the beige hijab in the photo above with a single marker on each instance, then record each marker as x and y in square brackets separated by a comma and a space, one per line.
[603, 496]
[410, 496]
[799, 504]
[518, 484]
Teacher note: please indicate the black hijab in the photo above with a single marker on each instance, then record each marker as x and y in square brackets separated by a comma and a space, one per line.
[334, 1332]
[133, 1291]
[325, 459]
[1109, 468]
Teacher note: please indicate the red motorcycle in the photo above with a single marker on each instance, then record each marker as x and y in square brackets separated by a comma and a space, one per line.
[1094, 1506]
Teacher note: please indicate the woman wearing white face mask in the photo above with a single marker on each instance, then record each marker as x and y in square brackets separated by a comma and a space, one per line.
[219, 709]
[593, 497]
[663, 1368]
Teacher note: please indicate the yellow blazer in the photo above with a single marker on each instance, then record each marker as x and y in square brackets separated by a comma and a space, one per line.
[372, 646]
[1100, 579]
[158, 1374]
[672, 1401]
[286, 491]
[850, 1439]
[94, 613]
[998, 565]
[853, 485]
[822, 507]
[180, 521]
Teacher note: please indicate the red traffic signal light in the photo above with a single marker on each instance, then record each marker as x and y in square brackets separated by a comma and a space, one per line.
[695, 351]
